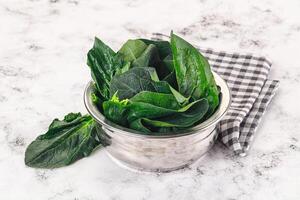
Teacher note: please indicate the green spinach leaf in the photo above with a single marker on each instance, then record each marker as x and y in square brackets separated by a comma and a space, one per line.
[147, 53]
[157, 99]
[164, 47]
[140, 79]
[116, 110]
[193, 73]
[182, 119]
[123, 69]
[149, 58]
[132, 49]
[141, 109]
[135, 80]
[151, 107]
[168, 61]
[66, 141]
[103, 62]
[138, 126]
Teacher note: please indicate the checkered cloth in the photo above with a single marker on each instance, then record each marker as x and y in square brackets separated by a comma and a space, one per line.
[247, 78]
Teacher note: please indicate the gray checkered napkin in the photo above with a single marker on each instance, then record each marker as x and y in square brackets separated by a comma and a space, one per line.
[251, 92]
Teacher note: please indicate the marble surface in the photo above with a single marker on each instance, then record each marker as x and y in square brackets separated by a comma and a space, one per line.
[43, 74]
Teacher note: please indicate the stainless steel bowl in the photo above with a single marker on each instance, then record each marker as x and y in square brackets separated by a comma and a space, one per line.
[160, 153]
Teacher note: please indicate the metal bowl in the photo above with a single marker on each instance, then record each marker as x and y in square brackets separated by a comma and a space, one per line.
[160, 153]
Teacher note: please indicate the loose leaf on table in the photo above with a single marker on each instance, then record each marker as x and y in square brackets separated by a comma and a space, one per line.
[182, 119]
[193, 73]
[103, 62]
[66, 141]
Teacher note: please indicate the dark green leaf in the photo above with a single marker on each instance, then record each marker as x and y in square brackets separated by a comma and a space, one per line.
[135, 80]
[145, 53]
[103, 62]
[157, 99]
[66, 141]
[96, 98]
[182, 119]
[137, 125]
[140, 109]
[168, 61]
[171, 79]
[151, 109]
[123, 69]
[148, 58]
[163, 47]
[193, 73]
[163, 66]
[116, 110]
[179, 97]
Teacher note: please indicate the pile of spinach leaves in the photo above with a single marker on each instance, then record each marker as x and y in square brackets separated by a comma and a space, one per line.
[155, 87]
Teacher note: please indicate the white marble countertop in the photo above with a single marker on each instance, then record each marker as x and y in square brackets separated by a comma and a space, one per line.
[43, 74]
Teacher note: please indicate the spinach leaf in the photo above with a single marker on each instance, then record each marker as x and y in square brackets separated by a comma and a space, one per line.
[144, 104]
[163, 47]
[148, 58]
[123, 69]
[193, 73]
[140, 79]
[141, 109]
[152, 107]
[145, 53]
[66, 141]
[151, 58]
[96, 98]
[168, 61]
[116, 110]
[137, 125]
[157, 99]
[132, 49]
[135, 80]
[179, 97]
[163, 66]
[171, 79]
[103, 62]
[182, 119]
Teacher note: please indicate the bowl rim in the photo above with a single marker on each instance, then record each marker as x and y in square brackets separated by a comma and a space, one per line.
[113, 127]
